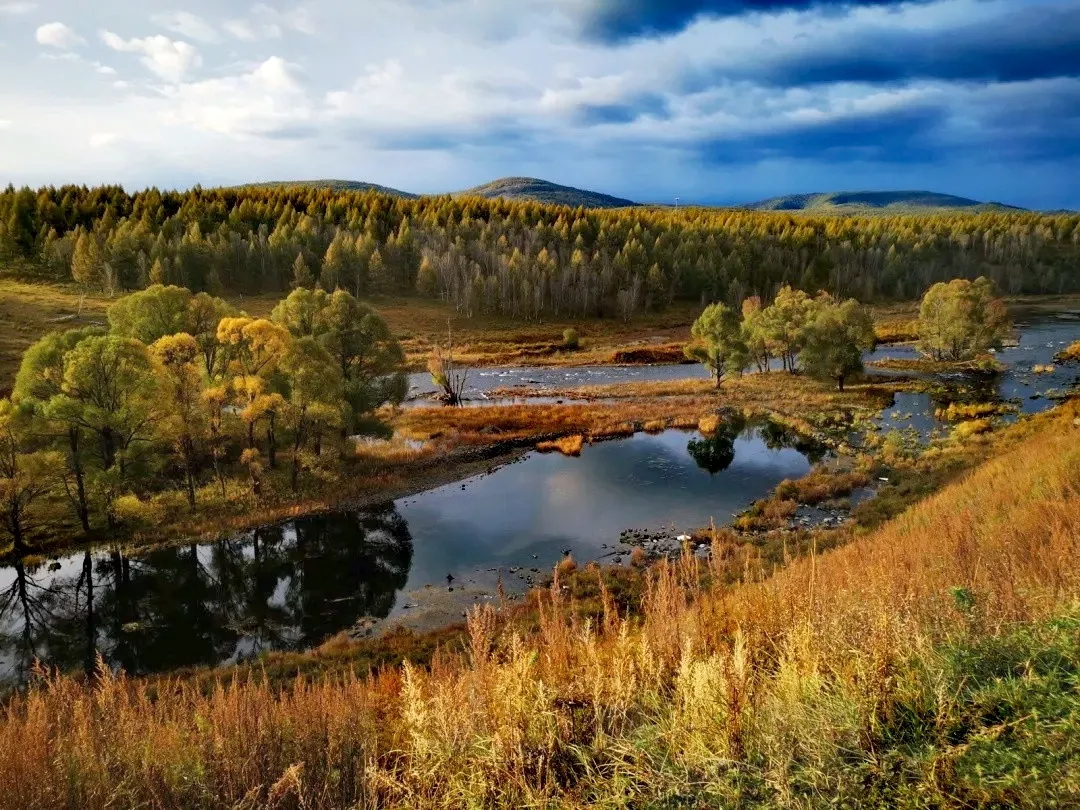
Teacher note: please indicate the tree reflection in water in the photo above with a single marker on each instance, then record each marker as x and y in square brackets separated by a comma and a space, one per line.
[279, 588]
[715, 452]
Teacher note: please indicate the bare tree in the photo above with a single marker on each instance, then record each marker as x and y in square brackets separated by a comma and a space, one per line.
[448, 377]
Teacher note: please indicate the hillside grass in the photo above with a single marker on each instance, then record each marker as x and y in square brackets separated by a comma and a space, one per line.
[931, 663]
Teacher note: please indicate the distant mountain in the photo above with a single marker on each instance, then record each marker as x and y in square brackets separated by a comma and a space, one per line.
[529, 188]
[335, 185]
[869, 201]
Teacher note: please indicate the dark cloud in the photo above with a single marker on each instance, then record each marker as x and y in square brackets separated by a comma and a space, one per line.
[1023, 123]
[1019, 45]
[902, 135]
[623, 112]
[617, 20]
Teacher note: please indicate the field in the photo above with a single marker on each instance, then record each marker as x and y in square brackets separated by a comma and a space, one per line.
[931, 662]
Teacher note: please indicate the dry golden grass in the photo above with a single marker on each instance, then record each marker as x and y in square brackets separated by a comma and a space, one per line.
[781, 686]
[567, 445]
[959, 411]
[1070, 354]
[28, 311]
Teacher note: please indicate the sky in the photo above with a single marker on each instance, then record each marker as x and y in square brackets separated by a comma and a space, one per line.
[711, 101]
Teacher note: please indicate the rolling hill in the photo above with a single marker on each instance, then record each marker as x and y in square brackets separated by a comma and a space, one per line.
[510, 188]
[336, 185]
[870, 201]
[529, 188]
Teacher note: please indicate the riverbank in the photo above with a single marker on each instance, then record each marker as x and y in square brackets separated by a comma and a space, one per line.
[438, 445]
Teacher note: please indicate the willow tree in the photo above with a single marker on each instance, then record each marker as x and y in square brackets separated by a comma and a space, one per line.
[26, 473]
[718, 342]
[184, 421]
[315, 394]
[38, 384]
[961, 319]
[159, 311]
[109, 389]
[358, 340]
[251, 350]
[836, 340]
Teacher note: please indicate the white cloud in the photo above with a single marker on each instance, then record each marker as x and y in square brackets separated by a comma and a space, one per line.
[240, 30]
[17, 7]
[58, 35]
[105, 70]
[170, 60]
[263, 101]
[265, 22]
[188, 25]
[102, 139]
[5, 123]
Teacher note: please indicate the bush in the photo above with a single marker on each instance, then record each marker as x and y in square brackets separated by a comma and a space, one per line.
[570, 339]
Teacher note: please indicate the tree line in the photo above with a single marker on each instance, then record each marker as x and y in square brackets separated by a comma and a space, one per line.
[827, 338]
[182, 392]
[517, 258]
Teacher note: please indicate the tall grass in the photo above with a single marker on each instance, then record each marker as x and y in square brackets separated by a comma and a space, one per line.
[832, 683]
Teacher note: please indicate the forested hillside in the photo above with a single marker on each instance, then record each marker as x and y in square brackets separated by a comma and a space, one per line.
[334, 185]
[542, 191]
[518, 258]
[863, 201]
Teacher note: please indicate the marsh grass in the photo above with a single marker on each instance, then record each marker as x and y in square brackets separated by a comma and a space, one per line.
[920, 664]
[567, 445]
[1070, 354]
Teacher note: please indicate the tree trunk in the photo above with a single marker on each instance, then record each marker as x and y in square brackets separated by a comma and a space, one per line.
[271, 443]
[91, 620]
[297, 444]
[108, 448]
[81, 508]
[15, 524]
[840, 383]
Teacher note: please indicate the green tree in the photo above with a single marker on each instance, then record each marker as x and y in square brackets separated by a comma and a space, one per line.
[252, 349]
[787, 320]
[184, 422]
[151, 314]
[302, 275]
[25, 474]
[38, 384]
[427, 281]
[756, 335]
[719, 344]
[961, 319]
[87, 260]
[315, 394]
[109, 389]
[836, 340]
[369, 358]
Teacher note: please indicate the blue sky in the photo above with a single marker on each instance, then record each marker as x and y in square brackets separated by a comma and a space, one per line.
[714, 101]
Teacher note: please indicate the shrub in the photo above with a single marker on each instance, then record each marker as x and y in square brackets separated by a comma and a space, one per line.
[570, 338]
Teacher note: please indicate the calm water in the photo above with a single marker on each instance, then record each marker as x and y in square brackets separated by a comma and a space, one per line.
[1039, 340]
[289, 587]
[480, 381]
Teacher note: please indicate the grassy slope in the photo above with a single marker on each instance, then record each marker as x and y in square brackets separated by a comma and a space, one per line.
[931, 663]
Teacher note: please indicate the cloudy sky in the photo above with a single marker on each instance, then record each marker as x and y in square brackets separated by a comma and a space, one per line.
[715, 101]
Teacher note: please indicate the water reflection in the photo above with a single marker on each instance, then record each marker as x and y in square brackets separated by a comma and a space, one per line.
[713, 453]
[285, 587]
